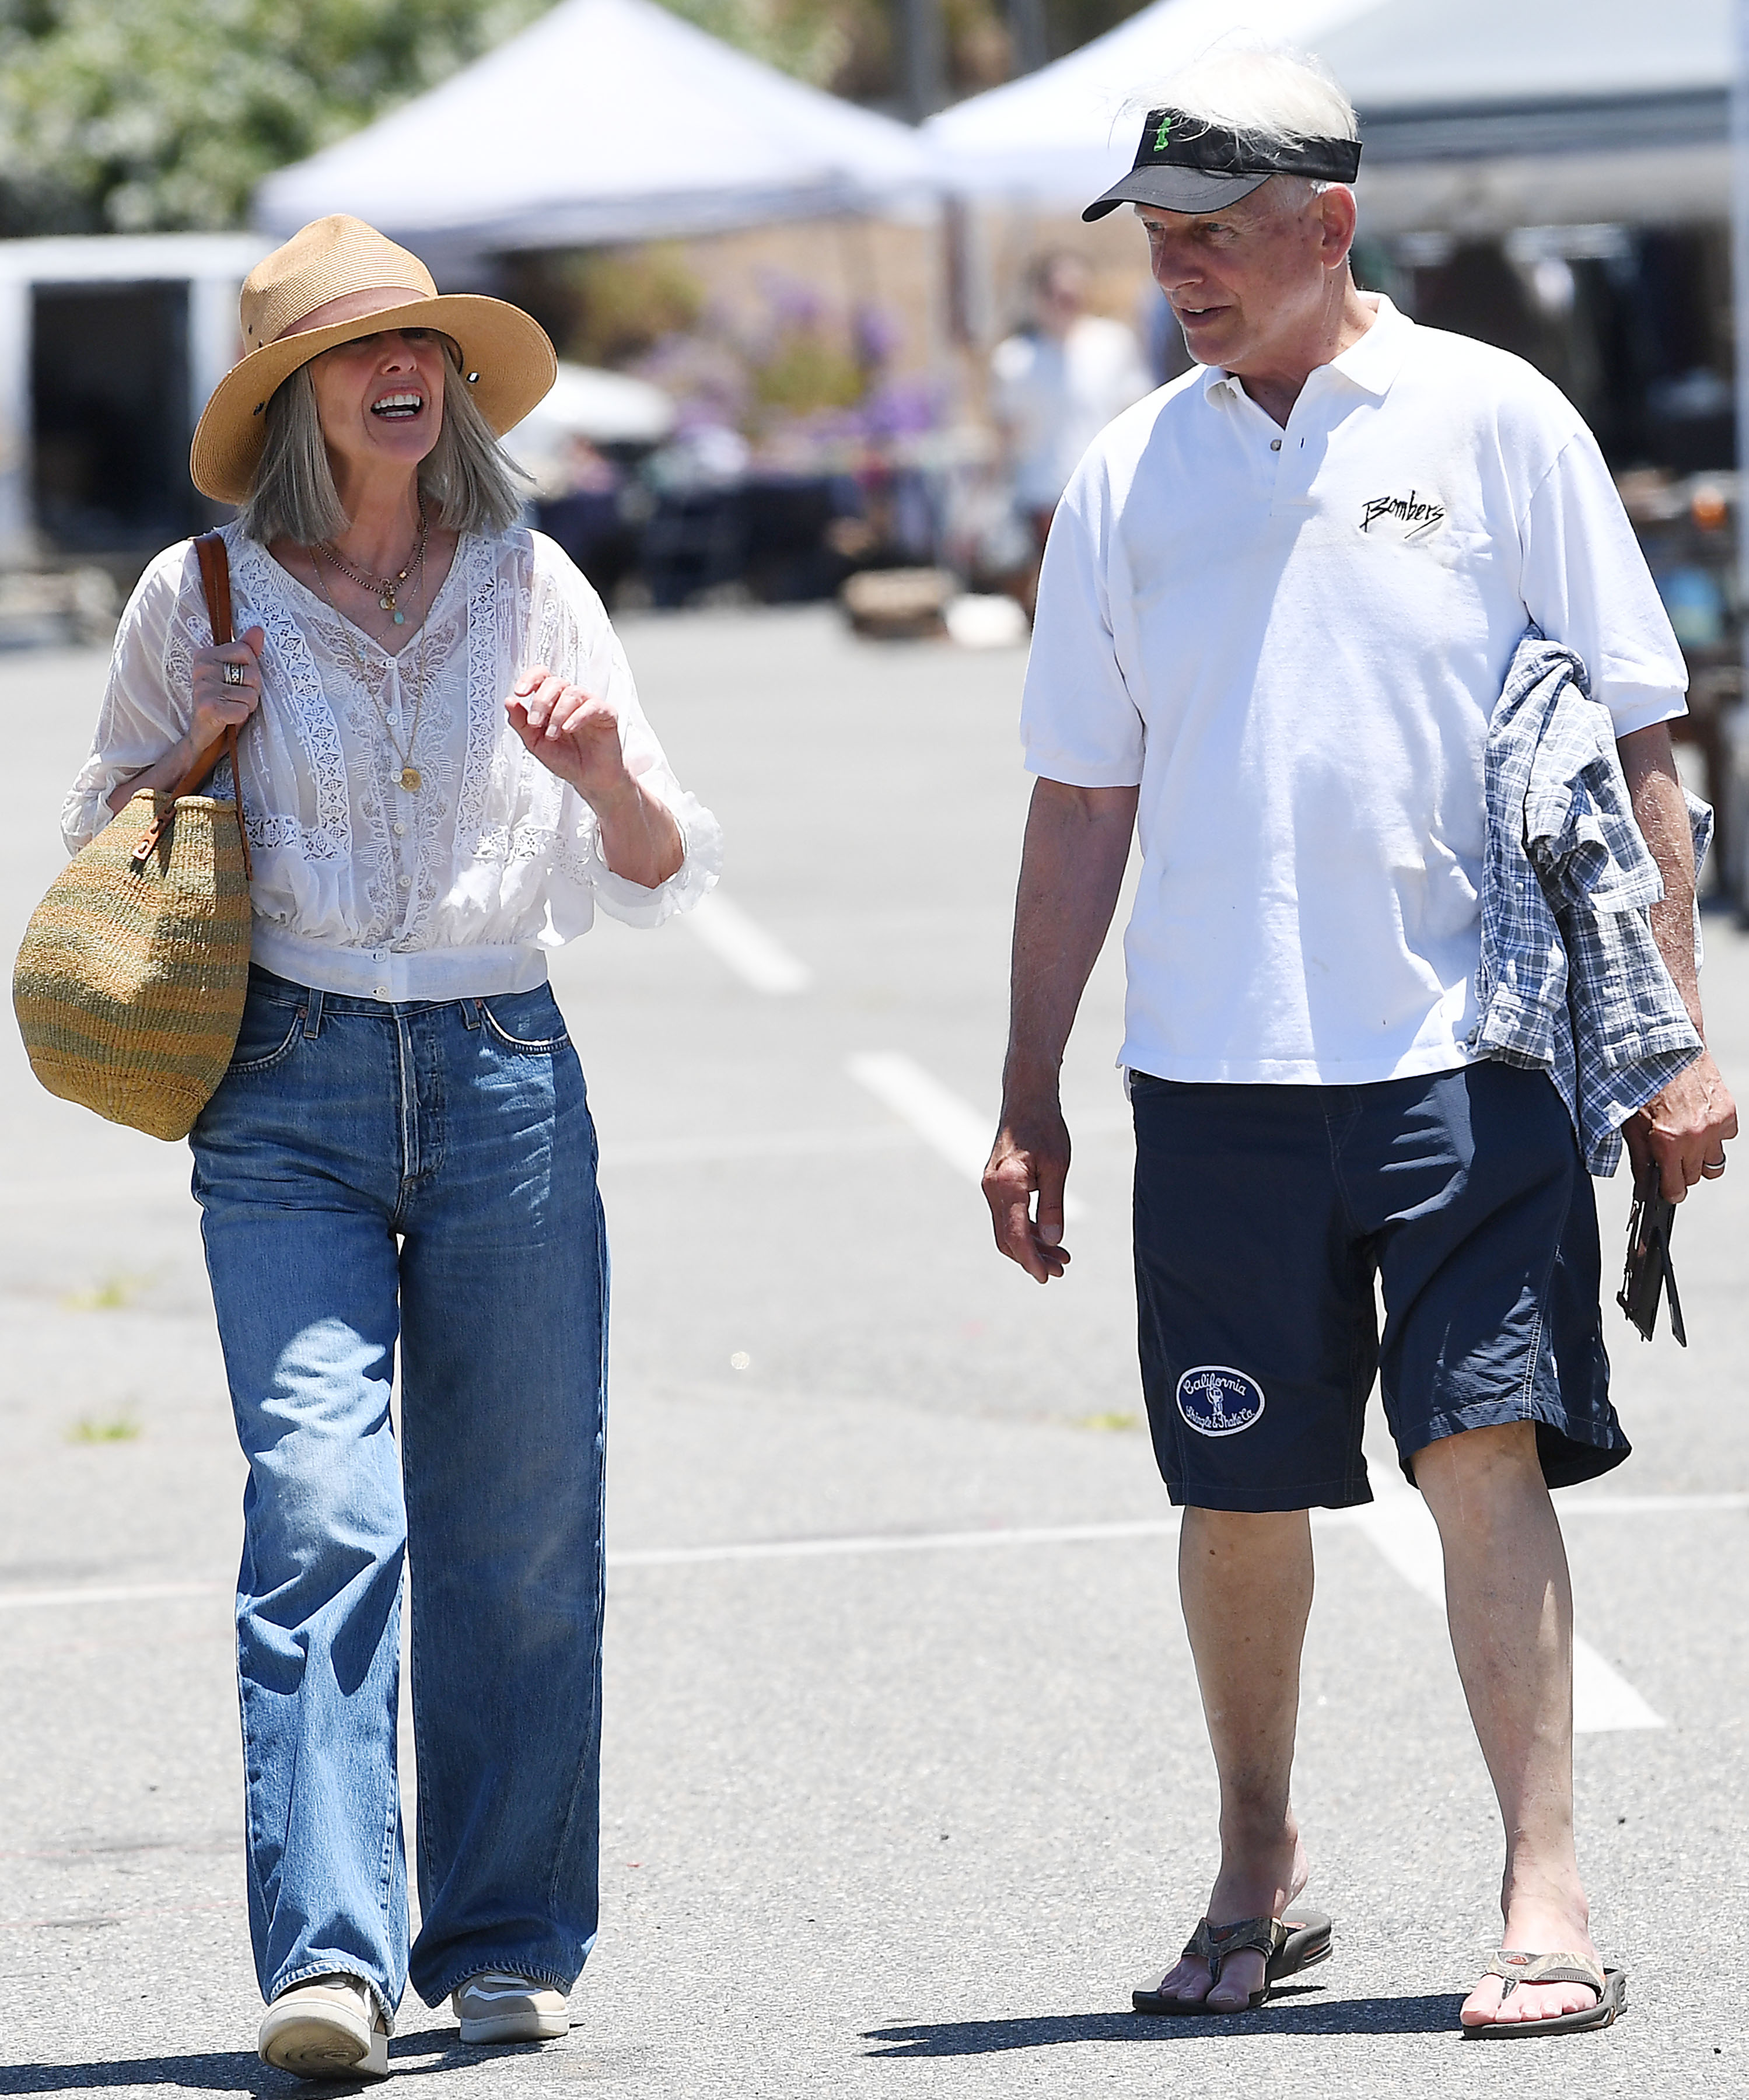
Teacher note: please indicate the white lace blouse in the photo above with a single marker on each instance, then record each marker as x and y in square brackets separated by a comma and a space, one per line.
[454, 889]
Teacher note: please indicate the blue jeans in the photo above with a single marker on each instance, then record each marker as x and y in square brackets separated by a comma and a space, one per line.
[424, 1173]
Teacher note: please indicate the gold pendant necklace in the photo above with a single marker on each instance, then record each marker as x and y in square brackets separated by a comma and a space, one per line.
[384, 589]
[409, 777]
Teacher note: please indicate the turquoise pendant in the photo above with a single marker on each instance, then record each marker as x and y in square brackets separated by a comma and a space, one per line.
[400, 620]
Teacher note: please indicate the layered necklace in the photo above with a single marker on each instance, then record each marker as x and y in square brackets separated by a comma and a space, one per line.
[409, 777]
[382, 588]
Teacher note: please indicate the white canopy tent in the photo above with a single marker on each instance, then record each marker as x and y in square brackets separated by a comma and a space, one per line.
[606, 120]
[1477, 114]
[1065, 133]
[603, 408]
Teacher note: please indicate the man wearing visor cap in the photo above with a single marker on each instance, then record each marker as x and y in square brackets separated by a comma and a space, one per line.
[1281, 620]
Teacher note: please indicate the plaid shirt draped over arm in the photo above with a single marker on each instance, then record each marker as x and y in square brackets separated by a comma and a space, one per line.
[1571, 982]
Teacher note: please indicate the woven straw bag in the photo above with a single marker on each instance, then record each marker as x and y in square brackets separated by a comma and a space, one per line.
[130, 985]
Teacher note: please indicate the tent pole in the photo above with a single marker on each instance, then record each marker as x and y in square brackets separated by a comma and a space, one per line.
[1740, 279]
[1734, 789]
[922, 42]
[1027, 28]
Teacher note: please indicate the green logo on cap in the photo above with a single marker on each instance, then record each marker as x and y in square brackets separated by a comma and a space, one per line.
[1160, 136]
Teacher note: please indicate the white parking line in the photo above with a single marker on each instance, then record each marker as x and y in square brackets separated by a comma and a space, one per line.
[951, 1126]
[1399, 1524]
[702, 1149]
[757, 957]
[753, 1145]
[691, 1556]
[109, 1593]
[900, 1542]
[1609, 1504]
[1402, 1529]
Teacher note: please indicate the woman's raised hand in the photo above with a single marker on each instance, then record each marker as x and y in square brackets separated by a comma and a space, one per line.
[221, 704]
[579, 739]
[572, 735]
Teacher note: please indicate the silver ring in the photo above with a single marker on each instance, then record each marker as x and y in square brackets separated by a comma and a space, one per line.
[233, 674]
[1715, 1167]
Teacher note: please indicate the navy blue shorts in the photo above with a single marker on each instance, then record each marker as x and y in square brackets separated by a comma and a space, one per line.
[1263, 1214]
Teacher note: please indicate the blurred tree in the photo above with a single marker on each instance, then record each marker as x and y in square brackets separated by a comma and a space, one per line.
[606, 306]
[127, 115]
[813, 39]
[1070, 23]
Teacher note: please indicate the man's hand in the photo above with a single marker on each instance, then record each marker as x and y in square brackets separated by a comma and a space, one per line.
[1030, 1156]
[1072, 868]
[1682, 1131]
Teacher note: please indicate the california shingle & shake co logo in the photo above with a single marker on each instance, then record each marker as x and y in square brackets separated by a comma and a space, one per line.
[1218, 1401]
[1416, 516]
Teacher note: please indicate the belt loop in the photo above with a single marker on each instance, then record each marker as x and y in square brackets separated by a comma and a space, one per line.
[312, 1017]
[469, 1013]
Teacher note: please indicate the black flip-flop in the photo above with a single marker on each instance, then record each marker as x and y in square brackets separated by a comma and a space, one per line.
[1295, 1941]
[1610, 1984]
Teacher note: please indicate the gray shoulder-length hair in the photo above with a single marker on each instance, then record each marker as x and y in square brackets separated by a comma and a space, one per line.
[470, 483]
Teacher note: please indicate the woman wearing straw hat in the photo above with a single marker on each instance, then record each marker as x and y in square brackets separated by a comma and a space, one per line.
[445, 770]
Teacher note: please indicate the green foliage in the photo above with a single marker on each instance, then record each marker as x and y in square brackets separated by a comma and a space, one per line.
[133, 116]
[806, 38]
[804, 371]
[110, 1294]
[850, 46]
[618, 304]
[130, 116]
[117, 1429]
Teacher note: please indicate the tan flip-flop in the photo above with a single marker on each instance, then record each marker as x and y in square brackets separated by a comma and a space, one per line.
[1295, 1941]
[1516, 1968]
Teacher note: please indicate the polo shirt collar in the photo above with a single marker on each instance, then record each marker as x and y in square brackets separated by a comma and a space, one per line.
[1372, 364]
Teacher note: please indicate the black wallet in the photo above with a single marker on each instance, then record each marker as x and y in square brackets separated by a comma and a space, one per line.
[1649, 1271]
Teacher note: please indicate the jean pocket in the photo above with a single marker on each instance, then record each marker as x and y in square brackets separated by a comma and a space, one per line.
[268, 1034]
[514, 1017]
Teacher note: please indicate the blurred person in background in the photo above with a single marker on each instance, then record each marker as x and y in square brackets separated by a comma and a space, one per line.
[1283, 627]
[444, 772]
[594, 516]
[1054, 387]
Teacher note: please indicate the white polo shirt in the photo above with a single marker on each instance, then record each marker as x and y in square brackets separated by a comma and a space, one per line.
[1293, 641]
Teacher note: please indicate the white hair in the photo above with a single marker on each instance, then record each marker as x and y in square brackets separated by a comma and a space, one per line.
[1269, 93]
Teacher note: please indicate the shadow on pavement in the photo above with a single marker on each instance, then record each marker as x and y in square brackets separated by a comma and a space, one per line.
[228, 2070]
[1434, 2014]
[235, 2070]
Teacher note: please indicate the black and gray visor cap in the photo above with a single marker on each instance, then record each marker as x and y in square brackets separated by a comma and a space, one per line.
[1185, 164]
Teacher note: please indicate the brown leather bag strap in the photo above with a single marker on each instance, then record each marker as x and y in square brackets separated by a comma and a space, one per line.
[215, 586]
[215, 581]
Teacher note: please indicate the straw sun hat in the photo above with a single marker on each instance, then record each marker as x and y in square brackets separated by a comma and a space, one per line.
[368, 285]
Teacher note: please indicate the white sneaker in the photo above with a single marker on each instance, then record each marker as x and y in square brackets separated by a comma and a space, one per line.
[499, 2005]
[329, 2028]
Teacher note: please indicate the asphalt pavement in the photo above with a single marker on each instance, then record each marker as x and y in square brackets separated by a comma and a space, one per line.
[906, 1784]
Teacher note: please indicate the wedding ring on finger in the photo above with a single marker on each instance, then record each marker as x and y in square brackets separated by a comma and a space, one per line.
[233, 674]
[1713, 1168]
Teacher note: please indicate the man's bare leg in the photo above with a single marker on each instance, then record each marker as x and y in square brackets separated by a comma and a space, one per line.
[1510, 1605]
[1246, 1585]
